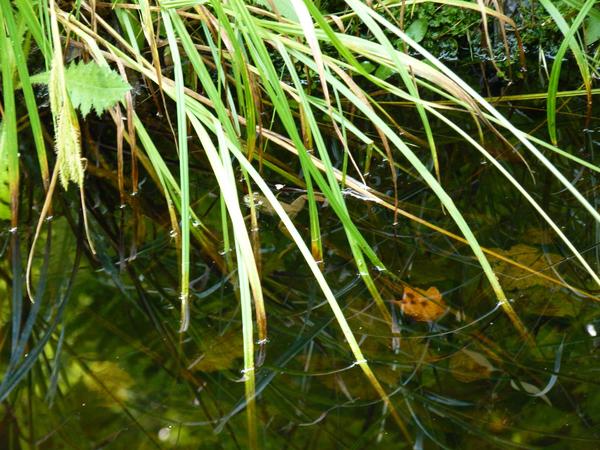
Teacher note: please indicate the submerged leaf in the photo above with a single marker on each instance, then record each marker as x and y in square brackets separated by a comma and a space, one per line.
[468, 366]
[550, 302]
[516, 278]
[535, 294]
[116, 382]
[219, 352]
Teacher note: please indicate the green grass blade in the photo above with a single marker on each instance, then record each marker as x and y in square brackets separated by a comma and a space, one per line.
[184, 178]
[32, 21]
[247, 271]
[351, 232]
[499, 118]
[314, 267]
[32, 109]
[10, 140]
[568, 42]
[409, 82]
[440, 192]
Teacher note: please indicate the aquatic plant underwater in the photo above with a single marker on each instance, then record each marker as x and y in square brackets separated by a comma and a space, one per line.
[291, 224]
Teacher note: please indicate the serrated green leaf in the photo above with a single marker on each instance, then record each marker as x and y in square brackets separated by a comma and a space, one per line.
[90, 86]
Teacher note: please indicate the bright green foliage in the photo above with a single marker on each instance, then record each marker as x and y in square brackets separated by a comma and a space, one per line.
[447, 29]
[91, 86]
[417, 30]
[592, 29]
[336, 106]
[284, 7]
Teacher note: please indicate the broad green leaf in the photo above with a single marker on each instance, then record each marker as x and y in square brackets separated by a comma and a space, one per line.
[417, 30]
[592, 30]
[116, 382]
[284, 7]
[218, 352]
[368, 66]
[384, 72]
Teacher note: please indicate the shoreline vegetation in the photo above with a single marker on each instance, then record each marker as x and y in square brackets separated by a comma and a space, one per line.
[189, 155]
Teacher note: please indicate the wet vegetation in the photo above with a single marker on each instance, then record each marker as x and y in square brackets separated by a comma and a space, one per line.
[299, 224]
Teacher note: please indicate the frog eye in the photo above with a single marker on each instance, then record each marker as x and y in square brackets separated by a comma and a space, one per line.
[408, 297]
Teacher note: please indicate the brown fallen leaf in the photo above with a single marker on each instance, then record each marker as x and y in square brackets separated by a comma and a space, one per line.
[423, 306]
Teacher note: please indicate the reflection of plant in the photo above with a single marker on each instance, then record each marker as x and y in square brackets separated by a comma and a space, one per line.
[242, 90]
